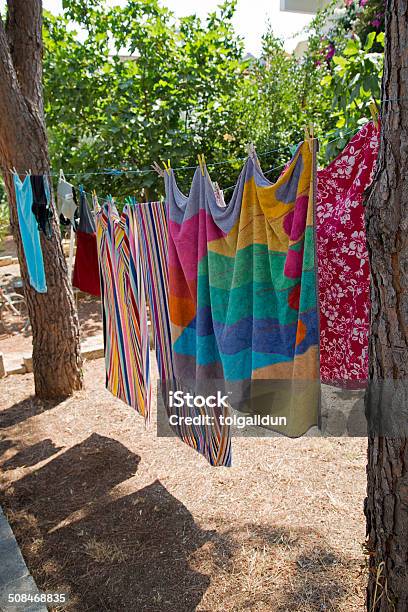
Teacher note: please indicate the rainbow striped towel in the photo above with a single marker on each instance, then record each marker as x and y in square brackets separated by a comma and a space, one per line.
[126, 337]
[243, 293]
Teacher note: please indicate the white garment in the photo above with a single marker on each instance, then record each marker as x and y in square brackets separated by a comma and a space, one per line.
[66, 204]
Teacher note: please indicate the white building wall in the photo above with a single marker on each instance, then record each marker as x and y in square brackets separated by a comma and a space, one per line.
[303, 6]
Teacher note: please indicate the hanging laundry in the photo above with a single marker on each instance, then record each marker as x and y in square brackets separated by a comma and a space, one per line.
[124, 308]
[30, 235]
[95, 204]
[41, 203]
[86, 268]
[67, 203]
[344, 271]
[243, 293]
[152, 233]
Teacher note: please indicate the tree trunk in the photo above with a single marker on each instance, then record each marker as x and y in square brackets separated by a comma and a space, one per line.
[387, 398]
[57, 360]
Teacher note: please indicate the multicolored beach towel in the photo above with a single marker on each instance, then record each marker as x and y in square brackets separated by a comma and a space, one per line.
[344, 271]
[243, 294]
[125, 328]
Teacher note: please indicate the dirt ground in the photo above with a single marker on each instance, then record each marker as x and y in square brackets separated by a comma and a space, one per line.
[15, 340]
[123, 520]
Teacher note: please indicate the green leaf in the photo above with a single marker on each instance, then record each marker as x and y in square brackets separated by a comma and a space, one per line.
[352, 48]
[370, 41]
[381, 38]
[326, 80]
[340, 61]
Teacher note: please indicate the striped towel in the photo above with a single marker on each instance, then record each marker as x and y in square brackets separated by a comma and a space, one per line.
[151, 223]
[153, 235]
[124, 308]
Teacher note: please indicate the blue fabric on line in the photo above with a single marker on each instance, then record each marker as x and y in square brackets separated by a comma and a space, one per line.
[30, 236]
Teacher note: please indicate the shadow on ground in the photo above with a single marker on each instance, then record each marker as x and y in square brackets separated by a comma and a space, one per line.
[144, 551]
[27, 408]
[31, 455]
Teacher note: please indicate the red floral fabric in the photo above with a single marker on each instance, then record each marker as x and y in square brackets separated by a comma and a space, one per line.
[344, 272]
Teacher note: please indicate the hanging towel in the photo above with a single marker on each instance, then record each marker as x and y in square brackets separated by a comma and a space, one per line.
[152, 233]
[86, 268]
[30, 235]
[243, 293]
[41, 203]
[124, 311]
[344, 271]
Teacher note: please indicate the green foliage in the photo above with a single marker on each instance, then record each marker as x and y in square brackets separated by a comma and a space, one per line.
[279, 96]
[347, 45]
[354, 82]
[137, 87]
[126, 86]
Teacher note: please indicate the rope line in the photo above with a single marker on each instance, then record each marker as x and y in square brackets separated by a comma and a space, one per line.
[114, 172]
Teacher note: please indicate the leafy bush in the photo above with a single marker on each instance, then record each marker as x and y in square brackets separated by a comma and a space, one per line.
[348, 45]
[138, 85]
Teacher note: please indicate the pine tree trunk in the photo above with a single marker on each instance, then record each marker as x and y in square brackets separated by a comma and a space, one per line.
[57, 360]
[387, 234]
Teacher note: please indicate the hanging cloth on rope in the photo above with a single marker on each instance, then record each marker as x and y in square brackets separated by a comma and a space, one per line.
[41, 203]
[243, 295]
[86, 269]
[124, 310]
[67, 203]
[30, 235]
[152, 234]
[344, 271]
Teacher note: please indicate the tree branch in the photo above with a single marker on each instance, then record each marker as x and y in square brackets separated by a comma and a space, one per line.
[24, 35]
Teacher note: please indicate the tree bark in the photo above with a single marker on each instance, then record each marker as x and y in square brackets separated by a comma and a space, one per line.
[387, 235]
[57, 363]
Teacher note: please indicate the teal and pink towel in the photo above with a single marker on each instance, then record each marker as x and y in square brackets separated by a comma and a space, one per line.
[243, 293]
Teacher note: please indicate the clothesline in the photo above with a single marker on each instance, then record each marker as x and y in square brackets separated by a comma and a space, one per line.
[119, 198]
[148, 257]
[114, 172]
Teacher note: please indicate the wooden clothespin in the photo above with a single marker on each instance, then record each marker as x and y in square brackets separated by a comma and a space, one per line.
[95, 202]
[252, 153]
[158, 169]
[311, 137]
[374, 113]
